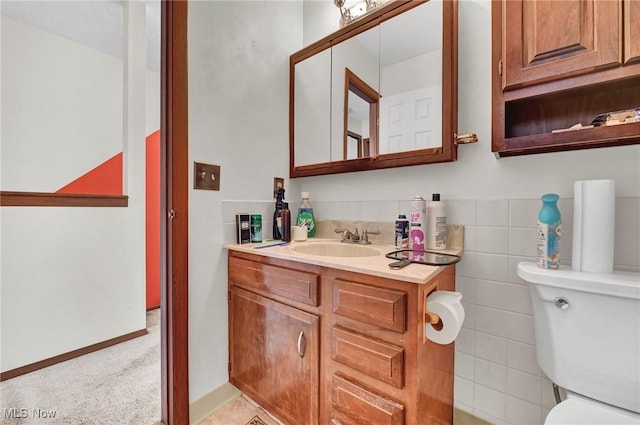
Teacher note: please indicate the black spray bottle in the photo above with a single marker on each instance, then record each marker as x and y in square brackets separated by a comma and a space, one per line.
[277, 215]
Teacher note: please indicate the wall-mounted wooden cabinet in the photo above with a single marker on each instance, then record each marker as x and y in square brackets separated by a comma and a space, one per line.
[558, 64]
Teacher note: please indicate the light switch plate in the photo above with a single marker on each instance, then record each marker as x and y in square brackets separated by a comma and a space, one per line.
[206, 176]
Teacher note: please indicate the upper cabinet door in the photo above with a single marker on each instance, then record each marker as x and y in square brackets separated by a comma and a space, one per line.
[556, 67]
[631, 31]
[548, 40]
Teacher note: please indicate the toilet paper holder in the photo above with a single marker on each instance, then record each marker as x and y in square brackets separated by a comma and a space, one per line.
[429, 317]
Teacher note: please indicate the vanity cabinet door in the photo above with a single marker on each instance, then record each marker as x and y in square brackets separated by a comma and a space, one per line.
[274, 356]
[550, 40]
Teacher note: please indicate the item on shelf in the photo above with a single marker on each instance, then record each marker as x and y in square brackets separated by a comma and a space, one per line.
[618, 117]
[574, 127]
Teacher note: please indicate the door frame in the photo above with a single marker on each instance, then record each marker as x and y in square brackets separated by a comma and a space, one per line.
[174, 214]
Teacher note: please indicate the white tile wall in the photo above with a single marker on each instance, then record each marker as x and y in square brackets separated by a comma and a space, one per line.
[522, 413]
[497, 377]
[491, 348]
[491, 375]
[501, 235]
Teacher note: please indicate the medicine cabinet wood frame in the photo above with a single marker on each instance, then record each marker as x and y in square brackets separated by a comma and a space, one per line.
[556, 64]
[446, 153]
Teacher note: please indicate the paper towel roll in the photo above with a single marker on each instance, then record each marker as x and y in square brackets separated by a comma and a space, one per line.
[594, 203]
[447, 305]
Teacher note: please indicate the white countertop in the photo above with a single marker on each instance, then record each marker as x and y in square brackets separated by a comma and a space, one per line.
[377, 265]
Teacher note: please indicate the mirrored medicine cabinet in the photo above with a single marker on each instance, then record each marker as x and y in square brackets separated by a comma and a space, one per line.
[380, 92]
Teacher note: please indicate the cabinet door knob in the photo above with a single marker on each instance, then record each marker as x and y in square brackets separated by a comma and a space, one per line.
[301, 343]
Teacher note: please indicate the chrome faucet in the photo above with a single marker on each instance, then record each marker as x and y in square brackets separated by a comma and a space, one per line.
[349, 237]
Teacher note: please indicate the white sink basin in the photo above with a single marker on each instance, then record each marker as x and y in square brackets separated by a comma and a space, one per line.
[335, 249]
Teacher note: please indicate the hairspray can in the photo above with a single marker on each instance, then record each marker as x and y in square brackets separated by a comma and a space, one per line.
[402, 232]
[418, 223]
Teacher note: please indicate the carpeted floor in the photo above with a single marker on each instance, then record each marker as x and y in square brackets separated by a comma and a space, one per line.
[119, 385]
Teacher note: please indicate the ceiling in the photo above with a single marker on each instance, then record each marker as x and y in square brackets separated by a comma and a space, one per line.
[98, 24]
[95, 23]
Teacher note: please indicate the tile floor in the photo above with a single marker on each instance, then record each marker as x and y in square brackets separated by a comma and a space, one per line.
[240, 411]
[243, 411]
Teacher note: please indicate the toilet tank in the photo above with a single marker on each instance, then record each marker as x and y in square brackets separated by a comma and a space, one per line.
[590, 342]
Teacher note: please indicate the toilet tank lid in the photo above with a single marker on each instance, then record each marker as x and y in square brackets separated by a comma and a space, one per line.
[618, 283]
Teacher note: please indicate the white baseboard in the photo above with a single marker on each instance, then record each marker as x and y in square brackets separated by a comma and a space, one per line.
[202, 408]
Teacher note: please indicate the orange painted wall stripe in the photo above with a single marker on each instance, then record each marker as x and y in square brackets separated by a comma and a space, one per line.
[105, 179]
[152, 190]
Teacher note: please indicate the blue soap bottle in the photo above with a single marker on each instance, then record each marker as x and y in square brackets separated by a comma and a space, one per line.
[549, 232]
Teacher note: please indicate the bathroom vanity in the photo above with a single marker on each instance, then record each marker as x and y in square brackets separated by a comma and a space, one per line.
[328, 340]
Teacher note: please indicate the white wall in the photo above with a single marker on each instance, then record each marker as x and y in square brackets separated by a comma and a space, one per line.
[238, 118]
[152, 102]
[72, 277]
[62, 106]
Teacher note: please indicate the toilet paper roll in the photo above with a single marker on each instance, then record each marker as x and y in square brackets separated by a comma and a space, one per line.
[447, 305]
[594, 214]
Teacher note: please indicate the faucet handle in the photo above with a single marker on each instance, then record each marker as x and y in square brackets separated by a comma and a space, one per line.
[365, 235]
[346, 233]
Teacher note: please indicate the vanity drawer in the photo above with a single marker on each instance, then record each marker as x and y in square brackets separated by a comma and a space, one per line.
[375, 358]
[381, 307]
[287, 283]
[355, 405]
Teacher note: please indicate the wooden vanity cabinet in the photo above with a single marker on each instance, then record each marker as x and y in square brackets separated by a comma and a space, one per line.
[365, 359]
[377, 368]
[274, 337]
[559, 63]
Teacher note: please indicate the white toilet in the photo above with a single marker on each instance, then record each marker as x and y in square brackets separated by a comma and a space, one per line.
[587, 329]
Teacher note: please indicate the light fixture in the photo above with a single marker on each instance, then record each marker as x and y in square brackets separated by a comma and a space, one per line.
[353, 9]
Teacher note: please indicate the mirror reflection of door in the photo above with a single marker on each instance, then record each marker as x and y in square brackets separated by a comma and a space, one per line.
[353, 147]
[411, 80]
[360, 117]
